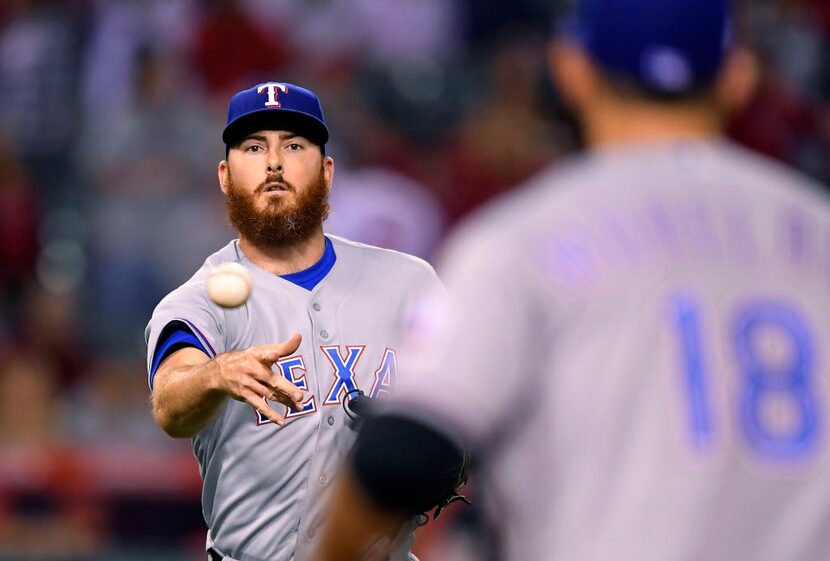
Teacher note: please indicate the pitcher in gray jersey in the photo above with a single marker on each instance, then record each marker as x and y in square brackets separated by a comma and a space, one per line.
[636, 344]
[259, 388]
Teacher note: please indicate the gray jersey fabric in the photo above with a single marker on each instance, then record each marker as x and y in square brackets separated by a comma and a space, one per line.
[637, 345]
[264, 485]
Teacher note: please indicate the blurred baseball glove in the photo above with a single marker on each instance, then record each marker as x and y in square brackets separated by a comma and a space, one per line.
[360, 407]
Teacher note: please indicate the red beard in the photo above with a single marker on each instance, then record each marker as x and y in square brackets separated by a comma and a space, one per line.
[281, 223]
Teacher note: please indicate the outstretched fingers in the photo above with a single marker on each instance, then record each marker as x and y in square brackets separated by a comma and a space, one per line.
[269, 385]
[261, 405]
[271, 353]
[288, 394]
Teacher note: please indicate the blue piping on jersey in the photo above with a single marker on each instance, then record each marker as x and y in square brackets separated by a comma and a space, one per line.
[201, 336]
[179, 338]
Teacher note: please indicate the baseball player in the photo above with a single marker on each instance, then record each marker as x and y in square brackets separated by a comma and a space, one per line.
[636, 344]
[259, 387]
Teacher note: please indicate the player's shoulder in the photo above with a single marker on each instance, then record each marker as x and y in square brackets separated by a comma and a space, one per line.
[194, 288]
[579, 184]
[494, 240]
[502, 222]
[767, 176]
[378, 258]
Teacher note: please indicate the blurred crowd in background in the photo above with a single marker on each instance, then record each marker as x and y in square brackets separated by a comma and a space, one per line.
[110, 120]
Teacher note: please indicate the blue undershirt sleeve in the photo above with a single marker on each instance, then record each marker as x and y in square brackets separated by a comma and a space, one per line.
[176, 335]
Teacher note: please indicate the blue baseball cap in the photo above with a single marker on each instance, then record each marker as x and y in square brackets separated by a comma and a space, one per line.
[668, 46]
[275, 106]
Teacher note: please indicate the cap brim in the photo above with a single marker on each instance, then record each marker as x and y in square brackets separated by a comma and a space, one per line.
[276, 119]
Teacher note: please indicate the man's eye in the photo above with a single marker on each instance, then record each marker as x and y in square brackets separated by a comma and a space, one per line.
[295, 146]
[254, 148]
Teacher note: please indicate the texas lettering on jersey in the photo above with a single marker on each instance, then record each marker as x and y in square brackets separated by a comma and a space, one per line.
[255, 474]
[344, 363]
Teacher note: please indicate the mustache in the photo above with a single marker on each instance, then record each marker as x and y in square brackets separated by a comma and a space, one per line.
[274, 178]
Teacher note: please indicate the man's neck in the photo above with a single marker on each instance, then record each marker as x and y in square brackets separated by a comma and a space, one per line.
[614, 124]
[284, 260]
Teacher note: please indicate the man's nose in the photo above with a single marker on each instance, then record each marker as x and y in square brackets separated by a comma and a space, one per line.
[274, 162]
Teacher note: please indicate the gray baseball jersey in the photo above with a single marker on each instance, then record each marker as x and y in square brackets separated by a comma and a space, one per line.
[264, 484]
[637, 344]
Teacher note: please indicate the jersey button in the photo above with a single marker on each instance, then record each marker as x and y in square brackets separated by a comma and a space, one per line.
[323, 480]
[330, 420]
[316, 307]
[310, 532]
[324, 334]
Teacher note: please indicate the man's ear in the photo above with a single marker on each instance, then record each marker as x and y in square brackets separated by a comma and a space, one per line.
[737, 81]
[224, 174]
[573, 74]
[328, 170]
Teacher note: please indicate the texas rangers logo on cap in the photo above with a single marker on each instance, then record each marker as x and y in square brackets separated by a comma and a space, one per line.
[272, 88]
[275, 106]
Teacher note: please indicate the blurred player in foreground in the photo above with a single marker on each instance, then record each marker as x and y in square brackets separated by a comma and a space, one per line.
[636, 348]
[259, 387]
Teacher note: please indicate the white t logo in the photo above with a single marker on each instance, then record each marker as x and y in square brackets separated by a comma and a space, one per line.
[272, 88]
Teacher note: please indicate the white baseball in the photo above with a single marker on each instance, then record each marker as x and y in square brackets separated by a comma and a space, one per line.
[229, 285]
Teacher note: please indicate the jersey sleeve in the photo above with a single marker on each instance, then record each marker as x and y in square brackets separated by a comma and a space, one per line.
[189, 308]
[468, 350]
[175, 336]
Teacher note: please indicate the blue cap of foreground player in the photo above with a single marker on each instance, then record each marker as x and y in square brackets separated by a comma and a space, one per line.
[668, 46]
[275, 106]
